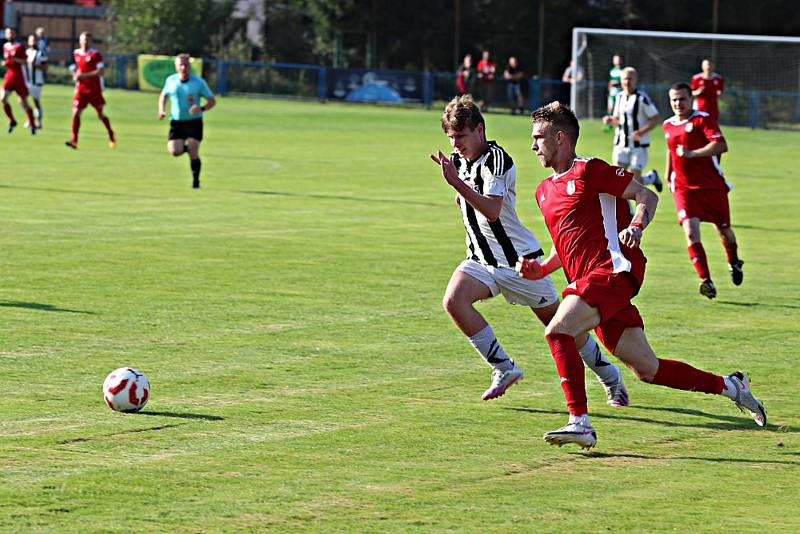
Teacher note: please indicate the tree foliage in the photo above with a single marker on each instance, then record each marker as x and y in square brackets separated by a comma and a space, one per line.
[168, 26]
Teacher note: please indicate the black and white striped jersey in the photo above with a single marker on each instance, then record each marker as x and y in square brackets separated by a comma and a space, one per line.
[497, 243]
[33, 68]
[633, 111]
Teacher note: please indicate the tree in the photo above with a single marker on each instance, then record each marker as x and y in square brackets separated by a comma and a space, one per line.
[169, 26]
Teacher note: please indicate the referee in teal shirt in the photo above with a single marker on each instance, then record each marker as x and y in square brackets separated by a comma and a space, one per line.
[185, 90]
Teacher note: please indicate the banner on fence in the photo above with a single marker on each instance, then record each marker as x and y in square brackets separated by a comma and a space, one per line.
[362, 85]
[154, 70]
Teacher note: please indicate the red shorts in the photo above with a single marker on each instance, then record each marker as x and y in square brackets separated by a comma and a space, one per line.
[611, 295]
[708, 205]
[81, 100]
[15, 83]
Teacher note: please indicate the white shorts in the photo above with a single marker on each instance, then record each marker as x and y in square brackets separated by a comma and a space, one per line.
[634, 159]
[35, 91]
[516, 290]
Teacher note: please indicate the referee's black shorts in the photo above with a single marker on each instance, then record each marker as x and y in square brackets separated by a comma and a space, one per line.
[186, 129]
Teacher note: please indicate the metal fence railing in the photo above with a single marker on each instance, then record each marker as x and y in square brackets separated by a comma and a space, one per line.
[741, 107]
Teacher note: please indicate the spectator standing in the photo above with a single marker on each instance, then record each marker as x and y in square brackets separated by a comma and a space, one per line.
[465, 76]
[486, 71]
[514, 76]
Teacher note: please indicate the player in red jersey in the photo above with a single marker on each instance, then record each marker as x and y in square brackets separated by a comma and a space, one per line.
[694, 144]
[597, 241]
[87, 71]
[707, 87]
[14, 57]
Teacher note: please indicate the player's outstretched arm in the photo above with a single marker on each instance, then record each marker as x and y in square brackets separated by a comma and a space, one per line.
[646, 203]
[533, 270]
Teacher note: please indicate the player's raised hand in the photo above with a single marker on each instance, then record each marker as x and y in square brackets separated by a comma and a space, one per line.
[448, 168]
[529, 268]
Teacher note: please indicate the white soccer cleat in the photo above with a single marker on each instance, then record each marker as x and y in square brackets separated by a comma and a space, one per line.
[580, 433]
[501, 381]
[745, 400]
[617, 394]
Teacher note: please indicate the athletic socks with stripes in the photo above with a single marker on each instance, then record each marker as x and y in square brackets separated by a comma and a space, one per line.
[592, 356]
[490, 350]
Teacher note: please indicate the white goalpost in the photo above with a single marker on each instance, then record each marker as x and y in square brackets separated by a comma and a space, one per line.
[762, 73]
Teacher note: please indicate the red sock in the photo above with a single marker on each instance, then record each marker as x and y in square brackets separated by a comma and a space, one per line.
[731, 251]
[678, 375]
[107, 124]
[9, 113]
[570, 369]
[698, 256]
[76, 126]
[31, 120]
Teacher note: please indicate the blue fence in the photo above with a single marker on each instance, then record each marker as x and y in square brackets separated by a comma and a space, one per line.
[740, 107]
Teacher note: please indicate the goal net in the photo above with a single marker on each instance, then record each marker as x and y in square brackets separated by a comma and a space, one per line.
[761, 73]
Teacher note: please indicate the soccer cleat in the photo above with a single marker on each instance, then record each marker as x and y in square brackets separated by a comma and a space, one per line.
[195, 183]
[11, 126]
[33, 130]
[501, 381]
[112, 141]
[72, 144]
[657, 183]
[578, 433]
[737, 274]
[617, 394]
[708, 289]
[745, 400]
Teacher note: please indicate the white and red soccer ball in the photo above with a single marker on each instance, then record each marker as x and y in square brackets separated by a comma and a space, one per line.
[126, 390]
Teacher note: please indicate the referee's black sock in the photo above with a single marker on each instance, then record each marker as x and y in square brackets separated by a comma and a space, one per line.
[195, 163]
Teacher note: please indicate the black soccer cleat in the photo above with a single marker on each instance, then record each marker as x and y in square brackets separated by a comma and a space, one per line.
[11, 126]
[708, 289]
[657, 183]
[737, 274]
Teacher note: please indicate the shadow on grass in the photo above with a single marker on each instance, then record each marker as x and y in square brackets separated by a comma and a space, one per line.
[770, 229]
[39, 306]
[177, 415]
[715, 459]
[73, 191]
[725, 422]
[343, 197]
[759, 304]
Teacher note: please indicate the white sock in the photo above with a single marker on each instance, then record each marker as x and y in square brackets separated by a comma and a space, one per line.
[593, 358]
[649, 178]
[580, 419]
[490, 350]
[730, 389]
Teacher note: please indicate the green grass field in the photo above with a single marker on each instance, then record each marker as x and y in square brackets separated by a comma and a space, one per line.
[304, 375]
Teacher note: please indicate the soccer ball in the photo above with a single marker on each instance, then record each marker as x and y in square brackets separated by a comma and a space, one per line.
[126, 390]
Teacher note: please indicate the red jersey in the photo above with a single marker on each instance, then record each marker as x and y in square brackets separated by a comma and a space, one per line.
[14, 69]
[584, 214]
[694, 132]
[486, 69]
[88, 61]
[707, 100]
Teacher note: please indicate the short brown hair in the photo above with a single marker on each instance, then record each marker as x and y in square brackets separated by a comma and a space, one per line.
[87, 33]
[559, 116]
[183, 56]
[462, 112]
[681, 86]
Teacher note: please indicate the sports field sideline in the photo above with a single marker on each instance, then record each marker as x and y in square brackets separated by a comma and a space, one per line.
[304, 375]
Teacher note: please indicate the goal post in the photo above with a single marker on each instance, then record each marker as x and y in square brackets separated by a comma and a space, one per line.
[761, 73]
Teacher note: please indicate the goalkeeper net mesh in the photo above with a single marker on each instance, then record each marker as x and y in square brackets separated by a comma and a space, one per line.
[762, 74]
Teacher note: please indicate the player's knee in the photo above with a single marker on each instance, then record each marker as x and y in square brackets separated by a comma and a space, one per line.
[556, 327]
